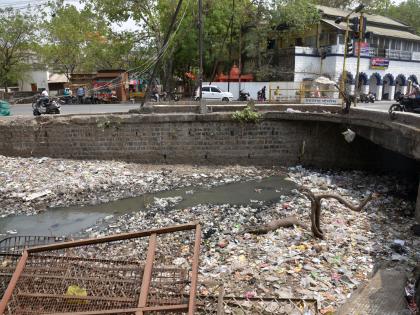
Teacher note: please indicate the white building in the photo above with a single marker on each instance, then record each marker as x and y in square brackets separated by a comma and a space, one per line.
[390, 59]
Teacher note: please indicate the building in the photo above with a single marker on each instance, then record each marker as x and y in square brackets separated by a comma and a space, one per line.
[390, 58]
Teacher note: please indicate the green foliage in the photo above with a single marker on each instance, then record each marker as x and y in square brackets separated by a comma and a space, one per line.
[298, 15]
[17, 35]
[80, 40]
[407, 12]
[248, 114]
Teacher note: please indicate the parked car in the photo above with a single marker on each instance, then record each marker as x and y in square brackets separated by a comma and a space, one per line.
[213, 93]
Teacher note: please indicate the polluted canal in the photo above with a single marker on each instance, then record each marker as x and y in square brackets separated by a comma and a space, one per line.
[54, 196]
[72, 220]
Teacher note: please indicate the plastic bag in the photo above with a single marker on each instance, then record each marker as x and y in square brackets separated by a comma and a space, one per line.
[4, 108]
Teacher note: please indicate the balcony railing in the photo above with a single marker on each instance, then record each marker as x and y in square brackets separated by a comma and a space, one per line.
[366, 52]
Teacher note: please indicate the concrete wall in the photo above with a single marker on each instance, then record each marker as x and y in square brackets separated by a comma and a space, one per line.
[190, 138]
[39, 77]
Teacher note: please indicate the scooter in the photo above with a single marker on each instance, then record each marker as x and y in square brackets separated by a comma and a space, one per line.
[45, 105]
[244, 96]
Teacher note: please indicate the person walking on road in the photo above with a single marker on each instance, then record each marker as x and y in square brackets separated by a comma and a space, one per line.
[80, 94]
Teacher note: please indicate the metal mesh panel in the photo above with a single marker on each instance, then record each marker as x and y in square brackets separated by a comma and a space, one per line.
[16, 244]
[116, 276]
[10, 251]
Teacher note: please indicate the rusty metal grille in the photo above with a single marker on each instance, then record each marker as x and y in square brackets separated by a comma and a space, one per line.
[10, 250]
[16, 244]
[132, 273]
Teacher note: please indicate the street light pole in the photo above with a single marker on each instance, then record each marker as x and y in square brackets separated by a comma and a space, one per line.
[203, 108]
[344, 73]
[361, 26]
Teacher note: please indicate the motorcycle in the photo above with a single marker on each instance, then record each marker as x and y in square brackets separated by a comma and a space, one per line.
[405, 104]
[367, 98]
[244, 96]
[154, 97]
[45, 105]
[169, 96]
[68, 99]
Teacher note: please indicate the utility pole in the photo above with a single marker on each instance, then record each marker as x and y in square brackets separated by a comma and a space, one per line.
[240, 61]
[346, 38]
[230, 45]
[344, 73]
[203, 108]
[161, 52]
[361, 26]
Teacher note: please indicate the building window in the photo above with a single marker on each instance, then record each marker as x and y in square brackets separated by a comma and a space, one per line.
[396, 44]
[310, 41]
[341, 39]
[386, 43]
[332, 39]
[405, 45]
[373, 41]
[381, 42]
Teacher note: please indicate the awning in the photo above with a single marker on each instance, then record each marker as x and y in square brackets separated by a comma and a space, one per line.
[378, 31]
[58, 78]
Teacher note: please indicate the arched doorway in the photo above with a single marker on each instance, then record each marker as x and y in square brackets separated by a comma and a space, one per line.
[388, 89]
[363, 84]
[375, 85]
[400, 85]
[413, 78]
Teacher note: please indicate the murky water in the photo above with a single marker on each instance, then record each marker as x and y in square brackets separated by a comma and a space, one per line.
[67, 221]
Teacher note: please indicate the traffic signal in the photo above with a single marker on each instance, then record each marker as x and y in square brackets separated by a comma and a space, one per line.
[349, 46]
[355, 26]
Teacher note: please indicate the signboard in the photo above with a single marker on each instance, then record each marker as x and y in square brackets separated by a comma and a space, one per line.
[321, 101]
[415, 55]
[378, 63]
[364, 49]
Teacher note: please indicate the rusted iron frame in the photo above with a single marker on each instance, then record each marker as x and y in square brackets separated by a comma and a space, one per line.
[13, 281]
[113, 238]
[194, 271]
[147, 273]
[125, 236]
[179, 308]
[74, 297]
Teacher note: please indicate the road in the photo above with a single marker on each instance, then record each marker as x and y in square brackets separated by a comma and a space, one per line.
[26, 109]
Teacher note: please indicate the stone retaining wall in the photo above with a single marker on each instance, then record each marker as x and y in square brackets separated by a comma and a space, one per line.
[191, 138]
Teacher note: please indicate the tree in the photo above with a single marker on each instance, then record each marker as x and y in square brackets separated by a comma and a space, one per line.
[17, 33]
[407, 12]
[71, 34]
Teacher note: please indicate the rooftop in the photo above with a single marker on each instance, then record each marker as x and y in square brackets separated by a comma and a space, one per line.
[373, 18]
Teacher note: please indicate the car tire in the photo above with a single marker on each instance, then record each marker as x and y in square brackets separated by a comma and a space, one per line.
[225, 99]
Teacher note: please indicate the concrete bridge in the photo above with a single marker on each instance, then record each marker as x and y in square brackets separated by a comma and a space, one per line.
[287, 135]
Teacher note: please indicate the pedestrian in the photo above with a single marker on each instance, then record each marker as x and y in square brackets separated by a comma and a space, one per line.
[263, 98]
[80, 94]
[277, 93]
